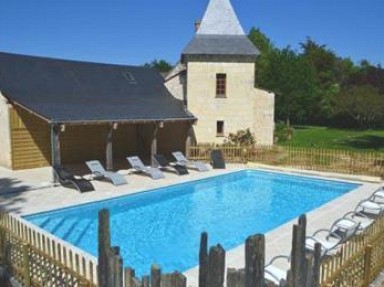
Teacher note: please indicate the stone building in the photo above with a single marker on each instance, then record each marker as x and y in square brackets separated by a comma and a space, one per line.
[58, 112]
[216, 80]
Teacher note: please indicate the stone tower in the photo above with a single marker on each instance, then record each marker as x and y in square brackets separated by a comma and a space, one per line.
[216, 80]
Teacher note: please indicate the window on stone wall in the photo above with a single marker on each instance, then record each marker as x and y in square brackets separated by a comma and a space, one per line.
[220, 128]
[221, 85]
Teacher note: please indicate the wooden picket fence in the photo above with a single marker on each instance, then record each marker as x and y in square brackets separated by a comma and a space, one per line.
[35, 258]
[329, 160]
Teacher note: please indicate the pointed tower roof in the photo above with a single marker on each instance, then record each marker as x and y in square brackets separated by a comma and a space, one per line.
[220, 34]
[220, 19]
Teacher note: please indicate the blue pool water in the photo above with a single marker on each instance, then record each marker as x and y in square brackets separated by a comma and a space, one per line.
[163, 226]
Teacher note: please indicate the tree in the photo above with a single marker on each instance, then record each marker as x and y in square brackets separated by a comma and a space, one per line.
[262, 42]
[363, 104]
[161, 66]
[291, 78]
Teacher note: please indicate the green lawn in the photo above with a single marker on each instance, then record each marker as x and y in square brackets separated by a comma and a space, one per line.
[322, 137]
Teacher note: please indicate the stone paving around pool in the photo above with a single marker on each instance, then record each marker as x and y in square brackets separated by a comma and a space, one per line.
[41, 195]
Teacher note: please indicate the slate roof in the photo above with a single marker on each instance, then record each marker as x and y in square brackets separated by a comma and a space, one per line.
[220, 33]
[220, 19]
[221, 45]
[65, 91]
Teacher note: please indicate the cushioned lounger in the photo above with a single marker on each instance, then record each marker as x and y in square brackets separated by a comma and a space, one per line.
[182, 160]
[98, 172]
[349, 221]
[138, 165]
[163, 164]
[67, 178]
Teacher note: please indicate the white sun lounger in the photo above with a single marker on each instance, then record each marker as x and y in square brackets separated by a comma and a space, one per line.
[328, 247]
[275, 274]
[369, 207]
[343, 225]
[349, 221]
[182, 160]
[378, 194]
[138, 165]
[98, 172]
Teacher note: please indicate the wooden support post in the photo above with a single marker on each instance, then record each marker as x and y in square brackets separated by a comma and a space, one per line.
[117, 267]
[129, 274]
[178, 280]
[55, 150]
[302, 259]
[190, 140]
[105, 277]
[203, 260]
[154, 145]
[308, 275]
[254, 261]
[289, 282]
[316, 266]
[232, 277]
[216, 267]
[367, 265]
[296, 256]
[155, 276]
[145, 281]
[109, 149]
[26, 266]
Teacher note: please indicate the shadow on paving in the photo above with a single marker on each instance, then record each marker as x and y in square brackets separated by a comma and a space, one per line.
[10, 194]
[365, 142]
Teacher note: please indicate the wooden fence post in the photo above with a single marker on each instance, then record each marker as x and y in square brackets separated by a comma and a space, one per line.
[235, 278]
[216, 266]
[254, 261]
[296, 256]
[2, 243]
[155, 276]
[117, 267]
[178, 280]
[304, 267]
[289, 282]
[105, 277]
[316, 266]
[145, 281]
[26, 266]
[307, 276]
[232, 277]
[203, 260]
[367, 265]
[129, 274]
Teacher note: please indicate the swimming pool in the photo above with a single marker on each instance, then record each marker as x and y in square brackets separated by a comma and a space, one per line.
[163, 226]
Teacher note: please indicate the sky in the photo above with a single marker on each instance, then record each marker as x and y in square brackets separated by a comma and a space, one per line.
[134, 32]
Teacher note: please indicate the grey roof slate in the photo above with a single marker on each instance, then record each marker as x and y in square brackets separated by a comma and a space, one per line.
[221, 45]
[69, 91]
[220, 33]
[220, 19]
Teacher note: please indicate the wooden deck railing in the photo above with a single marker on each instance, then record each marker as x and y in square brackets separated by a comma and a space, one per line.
[341, 161]
[36, 258]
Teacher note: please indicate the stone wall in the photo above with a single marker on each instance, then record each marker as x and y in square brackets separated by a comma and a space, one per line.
[175, 82]
[5, 134]
[243, 107]
[264, 117]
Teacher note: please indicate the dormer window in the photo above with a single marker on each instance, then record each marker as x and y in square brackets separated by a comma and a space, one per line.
[221, 85]
[130, 78]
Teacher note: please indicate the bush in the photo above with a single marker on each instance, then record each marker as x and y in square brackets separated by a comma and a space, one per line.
[283, 132]
[241, 138]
